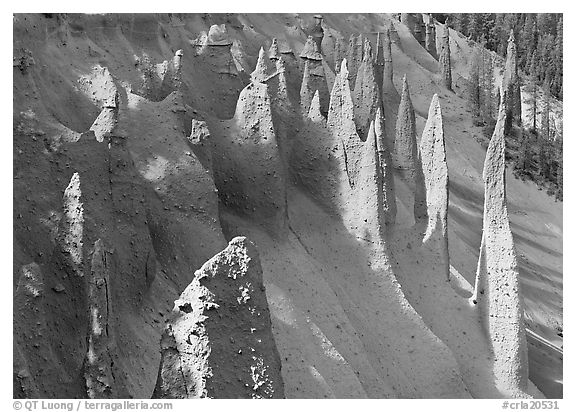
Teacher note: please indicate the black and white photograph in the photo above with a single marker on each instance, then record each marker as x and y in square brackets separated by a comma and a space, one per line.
[286, 205]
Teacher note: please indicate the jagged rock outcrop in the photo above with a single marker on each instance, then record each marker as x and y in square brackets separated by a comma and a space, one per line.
[313, 78]
[368, 222]
[273, 52]
[444, 60]
[260, 73]
[201, 142]
[406, 158]
[219, 52]
[497, 293]
[159, 80]
[342, 126]
[511, 86]
[354, 56]
[311, 50]
[100, 86]
[248, 168]
[218, 342]
[366, 95]
[71, 231]
[107, 120]
[435, 169]
[98, 372]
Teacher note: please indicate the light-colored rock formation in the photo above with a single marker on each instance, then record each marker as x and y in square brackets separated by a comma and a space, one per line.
[511, 86]
[306, 91]
[220, 53]
[201, 142]
[368, 222]
[435, 169]
[314, 78]
[311, 50]
[260, 73]
[98, 368]
[159, 80]
[314, 113]
[71, 231]
[248, 168]
[107, 120]
[100, 86]
[386, 170]
[273, 52]
[218, 342]
[342, 126]
[444, 60]
[497, 293]
[406, 158]
[366, 95]
[354, 56]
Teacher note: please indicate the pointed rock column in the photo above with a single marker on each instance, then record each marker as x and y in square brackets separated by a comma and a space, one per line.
[314, 78]
[366, 95]
[218, 342]
[71, 228]
[406, 157]
[341, 124]
[107, 120]
[511, 86]
[354, 56]
[260, 73]
[444, 61]
[497, 279]
[435, 169]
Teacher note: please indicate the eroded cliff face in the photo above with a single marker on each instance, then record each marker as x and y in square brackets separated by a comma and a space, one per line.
[218, 341]
[149, 178]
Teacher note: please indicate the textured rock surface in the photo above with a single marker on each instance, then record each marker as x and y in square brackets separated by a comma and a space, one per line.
[366, 95]
[311, 50]
[435, 168]
[342, 126]
[354, 56]
[430, 40]
[497, 291]
[406, 157]
[218, 341]
[444, 61]
[511, 86]
[387, 194]
[248, 169]
[98, 368]
[260, 73]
